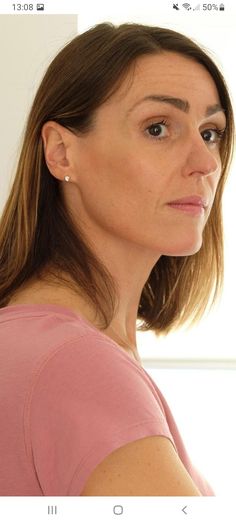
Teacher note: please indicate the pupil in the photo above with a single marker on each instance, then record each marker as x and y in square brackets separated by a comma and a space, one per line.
[207, 134]
[154, 129]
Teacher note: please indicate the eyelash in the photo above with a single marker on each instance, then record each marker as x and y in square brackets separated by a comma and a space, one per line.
[220, 132]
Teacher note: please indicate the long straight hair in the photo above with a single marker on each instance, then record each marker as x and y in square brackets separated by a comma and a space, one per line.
[36, 230]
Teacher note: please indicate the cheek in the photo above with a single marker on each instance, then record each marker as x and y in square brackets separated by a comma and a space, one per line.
[215, 182]
[122, 175]
[121, 191]
[219, 175]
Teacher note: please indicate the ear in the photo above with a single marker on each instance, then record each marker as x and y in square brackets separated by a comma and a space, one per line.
[56, 142]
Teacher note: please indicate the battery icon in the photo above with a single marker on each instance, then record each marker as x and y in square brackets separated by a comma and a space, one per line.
[40, 7]
[222, 7]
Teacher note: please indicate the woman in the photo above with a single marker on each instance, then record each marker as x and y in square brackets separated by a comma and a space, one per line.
[114, 216]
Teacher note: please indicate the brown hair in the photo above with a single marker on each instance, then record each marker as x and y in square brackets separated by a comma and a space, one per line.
[36, 231]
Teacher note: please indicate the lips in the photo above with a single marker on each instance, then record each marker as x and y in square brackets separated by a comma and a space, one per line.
[193, 200]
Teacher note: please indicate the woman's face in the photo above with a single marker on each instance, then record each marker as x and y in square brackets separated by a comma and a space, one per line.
[144, 153]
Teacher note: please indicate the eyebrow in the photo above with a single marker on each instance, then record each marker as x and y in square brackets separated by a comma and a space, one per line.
[179, 103]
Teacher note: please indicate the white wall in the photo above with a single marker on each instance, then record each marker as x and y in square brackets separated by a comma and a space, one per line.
[27, 46]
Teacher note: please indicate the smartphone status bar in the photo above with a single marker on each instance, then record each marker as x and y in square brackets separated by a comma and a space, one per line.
[75, 7]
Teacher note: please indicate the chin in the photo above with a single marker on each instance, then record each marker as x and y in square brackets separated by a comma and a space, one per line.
[184, 250]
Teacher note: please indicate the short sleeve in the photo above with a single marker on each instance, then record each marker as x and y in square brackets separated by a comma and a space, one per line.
[89, 398]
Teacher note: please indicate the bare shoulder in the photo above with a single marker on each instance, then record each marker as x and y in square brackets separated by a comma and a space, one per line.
[146, 467]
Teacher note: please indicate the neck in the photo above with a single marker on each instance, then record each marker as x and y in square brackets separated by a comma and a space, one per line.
[130, 273]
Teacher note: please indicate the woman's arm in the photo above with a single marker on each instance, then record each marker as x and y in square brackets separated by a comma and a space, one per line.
[146, 467]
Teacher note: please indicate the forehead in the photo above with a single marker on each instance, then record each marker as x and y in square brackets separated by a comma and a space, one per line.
[170, 73]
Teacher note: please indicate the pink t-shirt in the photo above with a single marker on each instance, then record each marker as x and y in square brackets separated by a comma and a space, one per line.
[69, 396]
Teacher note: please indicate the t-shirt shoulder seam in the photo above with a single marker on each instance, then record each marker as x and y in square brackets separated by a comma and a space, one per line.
[42, 365]
[37, 373]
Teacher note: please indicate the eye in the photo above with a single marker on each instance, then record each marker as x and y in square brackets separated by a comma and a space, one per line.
[156, 130]
[212, 136]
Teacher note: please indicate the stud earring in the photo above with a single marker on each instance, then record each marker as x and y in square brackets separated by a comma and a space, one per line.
[67, 178]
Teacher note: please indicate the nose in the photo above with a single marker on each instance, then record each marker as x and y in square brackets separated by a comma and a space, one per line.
[201, 158]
